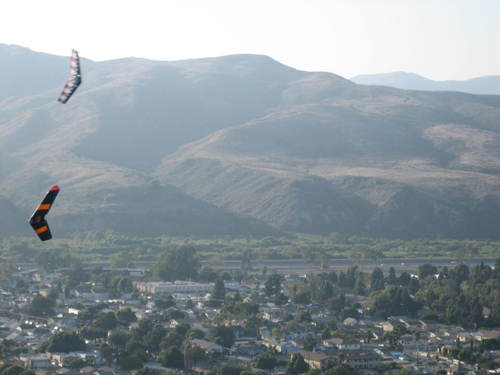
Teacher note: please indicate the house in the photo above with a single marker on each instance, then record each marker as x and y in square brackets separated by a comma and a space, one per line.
[387, 327]
[287, 348]
[18, 338]
[207, 346]
[283, 347]
[350, 322]
[248, 349]
[360, 359]
[73, 311]
[341, 344]
[318, 360]
[272, 315]
[64, 359]
[36, 361]
[487, 335]
[457, 370]
[175, 287]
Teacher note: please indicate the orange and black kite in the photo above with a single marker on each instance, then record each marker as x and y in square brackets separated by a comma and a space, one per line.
[37, 220]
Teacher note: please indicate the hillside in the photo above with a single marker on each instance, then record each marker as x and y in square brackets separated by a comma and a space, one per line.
[243, 144]
[487, 85]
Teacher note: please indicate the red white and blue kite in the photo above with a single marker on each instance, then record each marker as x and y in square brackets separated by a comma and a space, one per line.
[74, 80]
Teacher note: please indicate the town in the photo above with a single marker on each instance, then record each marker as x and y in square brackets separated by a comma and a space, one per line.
[180, 317]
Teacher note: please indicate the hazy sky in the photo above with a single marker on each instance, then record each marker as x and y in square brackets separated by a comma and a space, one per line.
[439, 39]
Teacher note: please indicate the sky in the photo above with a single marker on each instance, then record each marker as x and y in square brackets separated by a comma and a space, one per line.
[438, 39]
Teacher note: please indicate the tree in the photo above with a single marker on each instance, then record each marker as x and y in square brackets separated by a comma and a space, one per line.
[93, 333]
[460, 273]
[302, 298]
[6, 269]
[222, 335]
[172, 357]
[425, 270]
[90, 313]
[340, 370]
[303, 316]
[359, 287]
[395, 300]
[195, 354]
[336, 304]
[404, 278]
[218, 293]
[121, 284]
[309, 342]
[265, 361]
[377, 280]
[165, 302]
[146, 371]
[154, 338]
[321, 288]
[171, 339]
[413, 285]
[280, 299]
[77, 363]
[106, 353]
[230, 369]
[118, 339]
[130, 361]
[106, 321]
[41, 306]
[121, 259]
[65, 342]
[391, 278]
[181, 263]
[208, 274]
[326, 334]
[246, 261]
[126, 316]
[12, 370]
[297, 365]
[174, 314]
[195, 333]
[273, 284]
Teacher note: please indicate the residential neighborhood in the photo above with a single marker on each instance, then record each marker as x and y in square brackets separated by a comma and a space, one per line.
[120, 321]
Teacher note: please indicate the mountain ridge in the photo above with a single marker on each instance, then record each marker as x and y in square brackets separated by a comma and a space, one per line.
[484, 85]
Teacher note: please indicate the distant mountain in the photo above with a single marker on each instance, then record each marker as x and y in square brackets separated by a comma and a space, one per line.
[244, 145]
[487, 85]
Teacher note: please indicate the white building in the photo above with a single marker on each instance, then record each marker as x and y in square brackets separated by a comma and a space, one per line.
[36, 361]
[175, 287]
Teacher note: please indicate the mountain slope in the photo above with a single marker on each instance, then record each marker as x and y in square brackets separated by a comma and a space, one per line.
[417, 164]
[248, 142]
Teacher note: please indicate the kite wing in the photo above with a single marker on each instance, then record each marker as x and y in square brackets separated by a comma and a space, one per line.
[75, 79]
[37, 220]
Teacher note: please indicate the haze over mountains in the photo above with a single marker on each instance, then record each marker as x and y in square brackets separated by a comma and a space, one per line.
[487, 85]
[242, 145]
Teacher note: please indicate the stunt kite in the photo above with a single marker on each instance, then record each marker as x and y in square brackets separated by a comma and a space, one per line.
[37, 220]
[74, 80]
